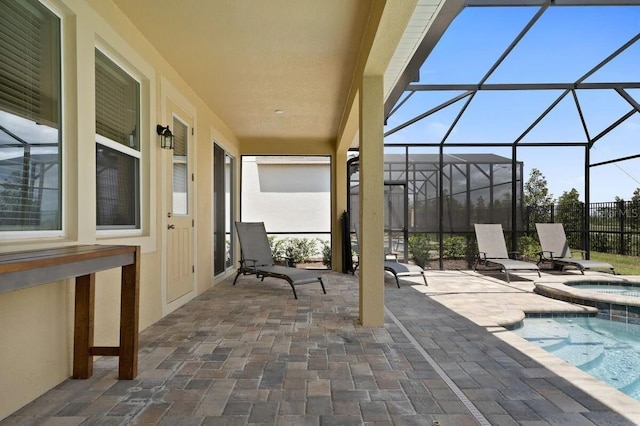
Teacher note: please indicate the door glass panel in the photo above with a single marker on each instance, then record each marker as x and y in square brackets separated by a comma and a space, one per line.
[223, 197]
[180, 169]
[228, 209]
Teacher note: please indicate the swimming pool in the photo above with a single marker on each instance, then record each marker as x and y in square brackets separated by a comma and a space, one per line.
[607, 350]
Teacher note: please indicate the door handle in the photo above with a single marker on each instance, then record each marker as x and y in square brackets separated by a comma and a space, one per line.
[171, 226]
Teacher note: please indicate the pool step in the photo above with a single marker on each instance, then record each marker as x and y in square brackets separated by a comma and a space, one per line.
[580, 354]
[633, 390]
[547, 334]
[620, 366]
[594, 346]
[568, 342]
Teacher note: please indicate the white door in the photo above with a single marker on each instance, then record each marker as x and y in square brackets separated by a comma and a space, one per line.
[180, 218]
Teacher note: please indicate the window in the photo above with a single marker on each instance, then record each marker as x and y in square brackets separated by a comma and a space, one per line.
[180, 168]
[117, 146]
[30, 118]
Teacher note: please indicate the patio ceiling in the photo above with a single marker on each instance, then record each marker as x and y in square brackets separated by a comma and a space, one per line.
[247, 59]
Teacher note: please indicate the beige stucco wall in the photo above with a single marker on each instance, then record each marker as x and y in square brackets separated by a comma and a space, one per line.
[37, 323]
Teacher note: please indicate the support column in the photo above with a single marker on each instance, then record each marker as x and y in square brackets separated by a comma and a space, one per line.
[371, 233]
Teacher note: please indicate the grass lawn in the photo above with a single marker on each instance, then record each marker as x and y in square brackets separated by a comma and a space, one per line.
[625, 265]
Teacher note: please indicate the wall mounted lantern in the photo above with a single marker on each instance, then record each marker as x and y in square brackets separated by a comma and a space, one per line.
[166, 137]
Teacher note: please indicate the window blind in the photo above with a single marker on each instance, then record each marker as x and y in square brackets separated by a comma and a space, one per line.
[29, 61]
[117, 100]
[180, 168]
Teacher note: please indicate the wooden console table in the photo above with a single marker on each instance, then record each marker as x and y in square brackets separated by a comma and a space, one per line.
[31, 268]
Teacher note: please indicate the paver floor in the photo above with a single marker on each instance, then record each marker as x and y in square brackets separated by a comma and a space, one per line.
[252, 354]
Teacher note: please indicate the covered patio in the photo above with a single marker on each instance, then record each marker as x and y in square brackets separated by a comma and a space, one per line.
[252, 354]
[143, 110]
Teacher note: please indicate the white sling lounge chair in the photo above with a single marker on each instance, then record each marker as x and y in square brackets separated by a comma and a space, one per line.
[257, 259]
[492, 250]
[398, 269]
[555, 249]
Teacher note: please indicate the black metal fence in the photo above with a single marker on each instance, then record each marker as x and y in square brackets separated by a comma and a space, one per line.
[614, 227]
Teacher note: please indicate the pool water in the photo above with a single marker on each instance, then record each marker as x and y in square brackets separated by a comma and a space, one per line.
[627, 290]
[608, 350]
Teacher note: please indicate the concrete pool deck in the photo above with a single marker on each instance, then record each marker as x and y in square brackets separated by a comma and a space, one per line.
[252, 354]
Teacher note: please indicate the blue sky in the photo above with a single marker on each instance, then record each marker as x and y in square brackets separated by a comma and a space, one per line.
[563, 45]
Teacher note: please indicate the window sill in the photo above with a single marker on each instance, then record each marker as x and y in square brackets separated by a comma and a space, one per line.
[147, 243]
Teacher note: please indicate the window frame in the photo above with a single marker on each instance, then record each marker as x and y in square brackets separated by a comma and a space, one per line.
[223, 200]
[138, 228]
[62, 83]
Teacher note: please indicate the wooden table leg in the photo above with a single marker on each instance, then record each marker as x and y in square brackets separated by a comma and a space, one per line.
[129, 316]
[83, 326]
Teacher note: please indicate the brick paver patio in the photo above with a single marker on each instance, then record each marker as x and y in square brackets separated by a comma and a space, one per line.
[252, 354]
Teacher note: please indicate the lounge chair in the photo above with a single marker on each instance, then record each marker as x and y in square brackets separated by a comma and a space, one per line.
[391, 264]
[555, 249]
[257, 259]
[492, 250]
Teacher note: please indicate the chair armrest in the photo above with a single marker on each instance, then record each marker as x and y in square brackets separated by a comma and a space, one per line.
[514, 255]
[545, 255]
[287, 260]
[481, 255]
[248, 264]
[582, 253]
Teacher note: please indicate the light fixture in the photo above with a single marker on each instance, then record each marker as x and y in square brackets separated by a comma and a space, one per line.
[279, 111]
[166, 140]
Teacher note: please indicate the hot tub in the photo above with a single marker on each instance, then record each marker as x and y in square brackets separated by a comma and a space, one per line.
[615, 299]
[604, 287]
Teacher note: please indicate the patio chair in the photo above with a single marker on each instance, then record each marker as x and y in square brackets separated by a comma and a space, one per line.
[555, 249]
[391, 264]
[492, 250]
[257, 259]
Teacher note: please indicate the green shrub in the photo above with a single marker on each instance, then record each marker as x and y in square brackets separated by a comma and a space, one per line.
[278, 246]
[300, 250]
[454, 247]
[604, 242]
[326, 253]
[529, 247]
[419, 247]
[471, 249]
[272, 243]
